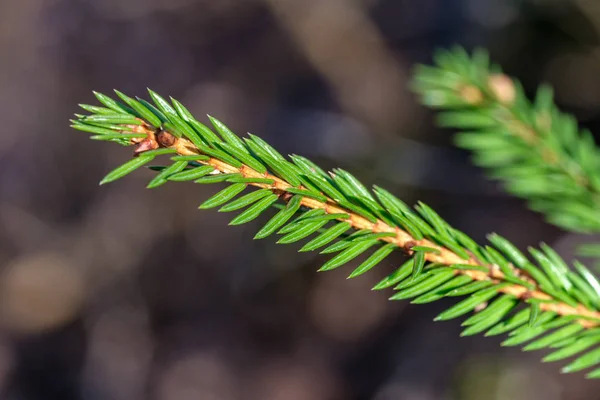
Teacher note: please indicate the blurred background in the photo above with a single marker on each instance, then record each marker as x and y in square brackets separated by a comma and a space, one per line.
[118, 292]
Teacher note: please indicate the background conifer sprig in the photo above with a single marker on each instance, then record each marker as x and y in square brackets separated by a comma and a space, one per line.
[538, 152]
[537, 300]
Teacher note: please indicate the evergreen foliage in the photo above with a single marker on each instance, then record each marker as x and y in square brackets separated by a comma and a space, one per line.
[538, 152]
[537, 300]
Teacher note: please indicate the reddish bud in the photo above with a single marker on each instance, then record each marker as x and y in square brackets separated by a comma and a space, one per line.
[503, 88]
[165, 139]
[145, 145]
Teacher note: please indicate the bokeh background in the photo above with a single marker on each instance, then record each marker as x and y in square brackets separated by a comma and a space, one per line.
[118, 292]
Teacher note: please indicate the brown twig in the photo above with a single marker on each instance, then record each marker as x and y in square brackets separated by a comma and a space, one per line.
[402, 239]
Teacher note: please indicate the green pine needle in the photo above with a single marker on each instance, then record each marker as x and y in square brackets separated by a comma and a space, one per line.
[339, 216]
[538, 152]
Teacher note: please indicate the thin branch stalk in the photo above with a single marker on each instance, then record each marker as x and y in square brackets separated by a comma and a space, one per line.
[402, 239]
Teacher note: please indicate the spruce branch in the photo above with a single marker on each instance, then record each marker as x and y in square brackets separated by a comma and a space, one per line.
[538, 152]
[507, 292]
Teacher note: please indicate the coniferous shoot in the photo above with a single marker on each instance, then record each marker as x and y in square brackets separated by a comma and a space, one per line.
[538, 301]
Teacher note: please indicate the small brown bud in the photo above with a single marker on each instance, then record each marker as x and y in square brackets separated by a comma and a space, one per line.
[471, 95]
[165, 139]
[145, 145]
[502, 87]
[409, 245]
